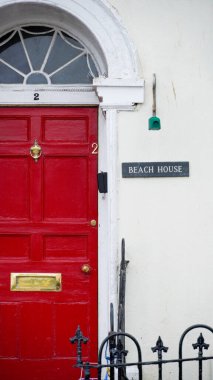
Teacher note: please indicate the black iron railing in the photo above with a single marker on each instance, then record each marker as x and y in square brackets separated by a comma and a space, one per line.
[117, 354]
[115, 342]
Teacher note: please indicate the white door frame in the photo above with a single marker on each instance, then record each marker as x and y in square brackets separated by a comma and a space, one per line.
[119, 88]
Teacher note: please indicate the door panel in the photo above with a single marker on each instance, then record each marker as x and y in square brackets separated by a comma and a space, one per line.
[36, 326]
[21, 244]
[72, 129]
[45, 213]
[14, 129]
[65, 247]
[66, 201]
[14, 179]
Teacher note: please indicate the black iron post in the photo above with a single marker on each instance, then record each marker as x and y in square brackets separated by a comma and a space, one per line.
[87, 371]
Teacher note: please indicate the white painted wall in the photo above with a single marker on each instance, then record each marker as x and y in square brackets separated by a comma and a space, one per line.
[168, 222]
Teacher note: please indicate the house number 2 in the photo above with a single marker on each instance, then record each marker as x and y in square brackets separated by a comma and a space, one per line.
[36, 96]
[95, 148]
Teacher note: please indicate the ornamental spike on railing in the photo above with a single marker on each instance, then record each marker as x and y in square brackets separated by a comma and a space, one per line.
[160, 348]
[200, 344]
[79, 339]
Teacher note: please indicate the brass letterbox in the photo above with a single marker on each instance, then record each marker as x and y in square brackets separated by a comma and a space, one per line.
[35, 282]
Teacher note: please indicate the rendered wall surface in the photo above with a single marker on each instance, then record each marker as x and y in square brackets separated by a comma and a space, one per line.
[168, 222]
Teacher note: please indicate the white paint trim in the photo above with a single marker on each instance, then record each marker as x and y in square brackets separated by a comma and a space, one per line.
[119, 94]
[108, 231]
[112, 162]
[97, 25]
[53, 95]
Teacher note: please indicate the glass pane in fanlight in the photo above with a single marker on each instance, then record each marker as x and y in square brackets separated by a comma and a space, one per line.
[76, 73]
[44, 45]
[37, 29]
[13, 53]
[92, 66]
[9, 76]
[36, 78]
[61, 53]
[6, 37]
[71, 41]
[37, 47]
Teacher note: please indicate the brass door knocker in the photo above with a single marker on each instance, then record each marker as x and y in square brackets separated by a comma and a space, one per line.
[35, 151]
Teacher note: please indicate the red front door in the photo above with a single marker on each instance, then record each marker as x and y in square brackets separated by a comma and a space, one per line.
[46, 209]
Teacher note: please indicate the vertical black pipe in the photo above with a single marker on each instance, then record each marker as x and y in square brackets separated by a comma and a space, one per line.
[111, 349]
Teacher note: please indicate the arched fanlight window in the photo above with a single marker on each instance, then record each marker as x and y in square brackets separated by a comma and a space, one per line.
[44, 55]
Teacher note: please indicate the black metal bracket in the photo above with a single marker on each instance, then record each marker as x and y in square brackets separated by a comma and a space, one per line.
[102, 182]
